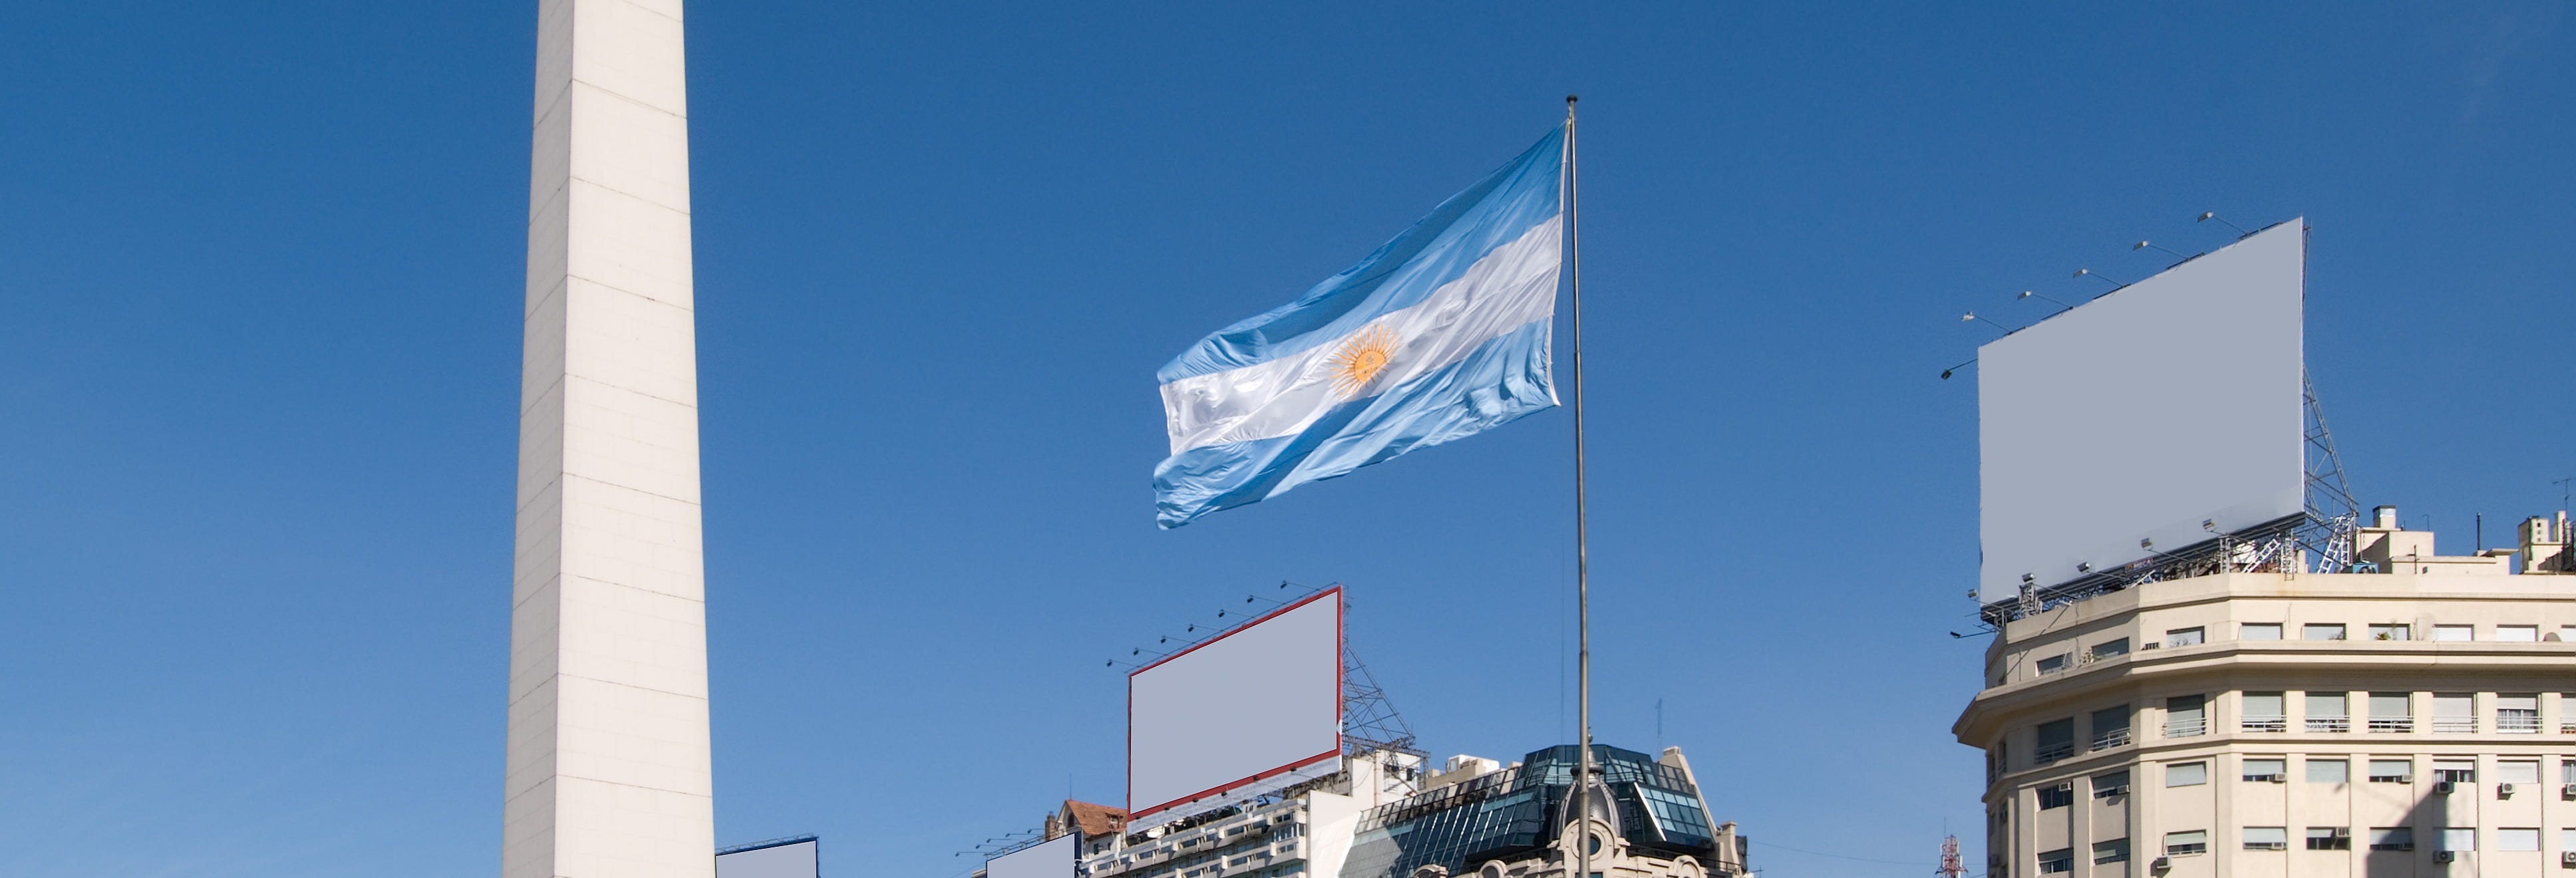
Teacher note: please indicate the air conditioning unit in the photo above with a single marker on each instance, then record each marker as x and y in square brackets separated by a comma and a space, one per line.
[2442, 856]
[2567, 860]
[2444, 788]
[2504, 791]
[2277, 778]
[2123, 790]
[2161, 864]
[2568, 792]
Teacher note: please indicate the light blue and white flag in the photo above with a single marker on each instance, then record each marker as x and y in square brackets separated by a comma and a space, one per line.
[1440, 334]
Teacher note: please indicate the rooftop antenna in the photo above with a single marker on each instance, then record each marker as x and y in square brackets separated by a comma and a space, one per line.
[1951, 865]
[2208, 215]
[2032, 294]
[2563, 490]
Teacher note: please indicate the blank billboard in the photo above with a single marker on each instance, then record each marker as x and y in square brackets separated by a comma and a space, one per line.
[787, 858]
[2143, 413]
[1052, 858]
[1258, 707]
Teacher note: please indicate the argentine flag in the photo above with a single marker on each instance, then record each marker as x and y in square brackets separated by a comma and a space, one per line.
[1440, 334]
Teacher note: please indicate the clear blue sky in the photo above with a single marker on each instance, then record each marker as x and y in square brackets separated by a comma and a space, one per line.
[260, 279]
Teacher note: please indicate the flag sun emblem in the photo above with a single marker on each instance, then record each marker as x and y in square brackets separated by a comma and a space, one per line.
[1361, 359]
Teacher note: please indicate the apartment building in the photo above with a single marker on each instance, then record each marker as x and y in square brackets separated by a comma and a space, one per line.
[2414, 718]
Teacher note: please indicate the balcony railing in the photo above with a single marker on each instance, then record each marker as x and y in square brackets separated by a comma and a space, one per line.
[2453, 725]
[2186, 728]
[2329, 724]
[2392, 724]
[2265, 724]
[2052, 753]
[2109, 738]
[2518, 722]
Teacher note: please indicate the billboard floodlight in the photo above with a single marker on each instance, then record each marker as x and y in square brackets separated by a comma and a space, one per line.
[2087, 272]
[2141, 245]
[2206, 216]
[2028, 294]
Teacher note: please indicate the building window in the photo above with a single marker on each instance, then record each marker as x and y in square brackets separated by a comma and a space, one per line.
[2455, 713]
[2459, 838]
[2266, 769]
[2053, 664]
[2567, 716]
[2518, 714]
[2392, 712]
[2518, 633]
[2111, 727]
[2320, 632]
[2392, 771]
[2390, 632]
[2057, 861]
[2329, 770]
[2184, 637]
[2457, 771]
[2262, 712]
[2184, 844]
[2117, 784]
[2056, 741]
[2267, 838]
[2186, 716]
[2454, 633]
[2328, 712]
[2057, 796]
[2188, 774]
[2329, 838]
[2259, 631]
[2109, 648]
[2392, 838]
[2517, 839]
[2518, 771]
[2108, 852]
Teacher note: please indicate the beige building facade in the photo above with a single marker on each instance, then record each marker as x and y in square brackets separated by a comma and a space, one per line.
[2417, 718]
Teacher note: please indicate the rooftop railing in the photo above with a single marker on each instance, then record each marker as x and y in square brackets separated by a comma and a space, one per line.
[2329, 724]
[2265, 724]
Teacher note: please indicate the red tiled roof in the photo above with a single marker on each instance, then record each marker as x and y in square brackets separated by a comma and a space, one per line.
[1095, 820]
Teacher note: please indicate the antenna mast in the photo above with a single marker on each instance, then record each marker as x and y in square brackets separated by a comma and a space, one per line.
[1951, 865]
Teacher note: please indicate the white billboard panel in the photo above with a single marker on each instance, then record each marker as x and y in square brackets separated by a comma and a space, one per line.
[786, 859]
[1258, 707]
[1052, 858]
[2141, 414]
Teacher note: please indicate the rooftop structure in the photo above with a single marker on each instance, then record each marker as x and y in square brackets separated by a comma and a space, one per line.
[2406, 719]
[1384, 816]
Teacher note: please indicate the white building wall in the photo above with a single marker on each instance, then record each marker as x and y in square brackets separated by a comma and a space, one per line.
[2227, 664]
[608, 754]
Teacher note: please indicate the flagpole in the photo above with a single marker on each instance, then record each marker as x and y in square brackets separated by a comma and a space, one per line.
[1582, 555]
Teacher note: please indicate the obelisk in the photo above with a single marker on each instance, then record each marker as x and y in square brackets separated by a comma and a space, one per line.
[608, 773]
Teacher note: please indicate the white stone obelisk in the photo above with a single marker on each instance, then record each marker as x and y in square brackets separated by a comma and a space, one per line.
[608, 773]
